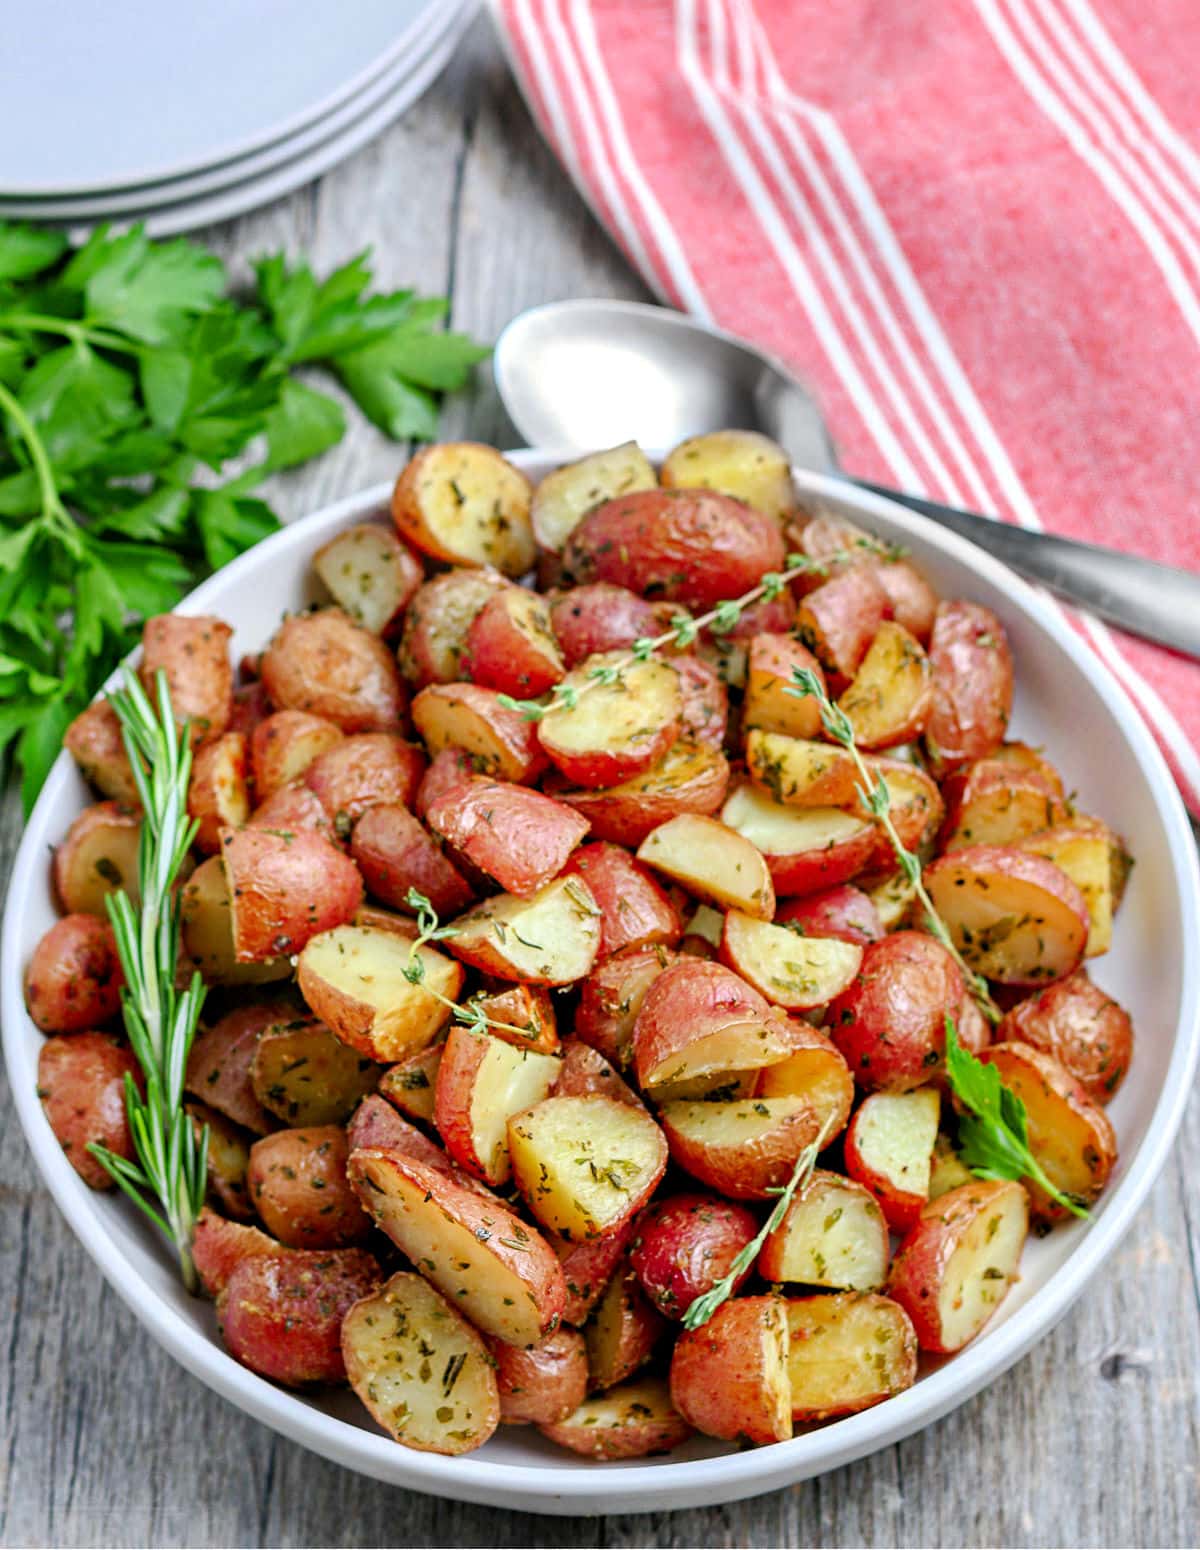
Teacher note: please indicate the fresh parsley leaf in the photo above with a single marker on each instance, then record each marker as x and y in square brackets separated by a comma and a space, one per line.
[229, 525]
[28, 250]
[146, 288]
[303, 424]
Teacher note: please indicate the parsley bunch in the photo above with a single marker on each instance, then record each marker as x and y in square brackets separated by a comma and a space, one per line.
[128, 375]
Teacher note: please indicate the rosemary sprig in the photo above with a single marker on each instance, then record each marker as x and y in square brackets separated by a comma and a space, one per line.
[874, 793]
[160, 1020]
[684, 629]
[703, 1308]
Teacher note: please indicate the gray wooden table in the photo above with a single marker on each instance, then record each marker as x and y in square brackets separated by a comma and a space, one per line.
[1094, 1439]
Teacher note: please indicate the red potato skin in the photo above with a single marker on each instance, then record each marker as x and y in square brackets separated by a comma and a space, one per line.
[519, 837]
[913, 602]
[218, 1068]
[290, 808]
[717, 1373]
[251, 704]
[437, 622]
[74, 977]
[687, 1001]
[297, 1181]
[772, 660]
[285, 889]
[612, 996]
[94, 741]
[805, 872]
[501, 654]
[890, 1023]
[967, 785]
[600, 617]
[626, 814]
[839, 619]
[281, 1314]
[541, 1383]
[683, 1245]
[376, 1124]
[361, 771]
[588, 1267]
[705, 712]
[282, 746]
[219, 1246]
[972, 684]
[194, 654]
[845, 913]
[901, 1207]
[99, 815]
[915, 817]
[1087, 1032]
[81, 1082]
[518, 736]
[585, 1070]
[327, 665]
[769, 616]
[635, 911]
[448, 769]
[394, 853]
[219, 792]
[694, 547]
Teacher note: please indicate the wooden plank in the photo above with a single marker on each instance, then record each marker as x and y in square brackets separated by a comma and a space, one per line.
[1093, 1439]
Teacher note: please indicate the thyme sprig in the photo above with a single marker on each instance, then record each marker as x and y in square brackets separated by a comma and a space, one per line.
[170, 1157]
[703, 1308]
[685, 629]
[874, 793]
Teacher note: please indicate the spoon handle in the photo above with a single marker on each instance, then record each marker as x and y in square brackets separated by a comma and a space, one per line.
[1158, 602]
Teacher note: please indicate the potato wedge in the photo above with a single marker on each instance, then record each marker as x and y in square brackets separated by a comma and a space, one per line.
[218, 793]
[806, 849]
[465, 503]
[221, 1060]
[544, 1383]
[792, 970]
[395, 853]
[745, 464]
[297, 1181]
[370, 574]
[1086, 856]
[227, 1163]
[549, 939]
[566, 495]
[915, 810]
[219, 1246]
[467, 716]
[617, 730]
[193, 652]
[621, 1333]
[889, 699]
[588, 1267]
[81, 1084]
[327, 665]
[304, 1075]
[437, 622]
[632, 1421]
[504, 1276]
[94, 741]
[353, 978]
[972, 685]
[848, 1351]
[585, 1071]
[421, 1370]
[889, 1149]
[845, 913]
[769, 705]
[411, 1084]
[601, 617]
[684, 1244]
[729, 1377]
[207, 932]
[284, 744]
[292, 808]
[689, 778]
[997, 802]
[1015, 917]
[815, 1072]
[713, 862]
[362, 770]
[839, 619]
[634, 910]
[612, 997]
[98, 856]
[585, 1165]
[519, 837]
[511, 645]
[743, 1148]
[833, 1234]
[955, 1267]
[285, 889]
[1086, 1031]
[481, 1083]
[74, 977]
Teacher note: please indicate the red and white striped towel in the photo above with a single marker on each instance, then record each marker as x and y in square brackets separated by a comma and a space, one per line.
[972, 225]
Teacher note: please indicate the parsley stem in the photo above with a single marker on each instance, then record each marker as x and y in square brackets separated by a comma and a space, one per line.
[79, 333]
[54, 513]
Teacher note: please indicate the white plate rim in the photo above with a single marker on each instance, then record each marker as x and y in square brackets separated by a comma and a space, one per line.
[591, 1488]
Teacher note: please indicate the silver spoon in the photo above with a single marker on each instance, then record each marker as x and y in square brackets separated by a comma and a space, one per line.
[594, 373]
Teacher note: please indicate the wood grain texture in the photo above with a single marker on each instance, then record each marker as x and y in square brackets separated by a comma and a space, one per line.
[1094, 1439]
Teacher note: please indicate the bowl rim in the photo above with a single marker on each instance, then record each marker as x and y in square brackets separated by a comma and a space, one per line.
[656, 1485]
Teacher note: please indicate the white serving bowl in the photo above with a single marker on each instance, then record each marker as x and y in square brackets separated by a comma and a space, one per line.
[1065, 700]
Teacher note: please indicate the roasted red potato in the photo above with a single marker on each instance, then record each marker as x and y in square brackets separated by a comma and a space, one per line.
[844, 912]
[691, 546]
[888, 701]
[729, 1378]
[464, 503]
[954, 1268]
[890, 1024]
[713, 862]
[305, 1076]
[284, 889]
[915, 809]
[997, 802]
[376, 1126]
[519, 837]
[1086, 1031]
[98, 856]
[1015, 917]
[511, 645]
[598, 618]
[806, 849]
[467, 716]
[522, 1015]
[219, 793]
[299, 1187]
[549, 939]
[1071, 1137]
[411, 1083]
[565, 495]
[621, 1333]
[448, 769]
[221, 1061]
[504, 1276]
[437, 621]
[251, 704]
[544, 1383]
[354, 979]
[833, 1234]
[840, 618]
[616, 730]
[793, 970]
[584, 1071]
[972, 685]
[420, 1369]
[74, 977]
[370, 574]
[612, 997]
[585, 1165]
[588, 1267]
[81, 1082]
[744, 1148]
[802, 773]
[362, 771]
[848, 1351]
[912, 601]
[481, 1083]
[291, 808]
[1021, 756]
[705, 712]
[284, 744]
[632, 1421]
[331, 667]
[634, 910]
[94, 741]
[394, 853]
[769, 704]
[207, 931]
[684, 1244]
[689, 778]
[219, 1246]
[227, 1162]
[1095, 860]
[815, 1073]
[281, 1314]
[889, 1149]
[194, 655]
[745, 464]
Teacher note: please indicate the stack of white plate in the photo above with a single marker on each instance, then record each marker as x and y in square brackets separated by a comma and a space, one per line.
[182, 112]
